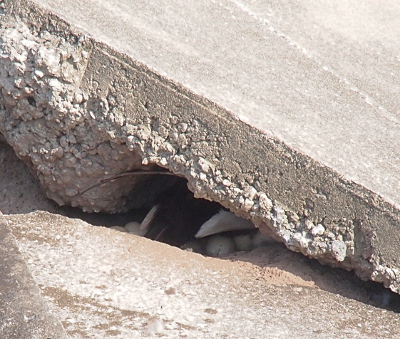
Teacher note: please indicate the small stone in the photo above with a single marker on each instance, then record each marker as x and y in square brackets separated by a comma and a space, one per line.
[204, 165]
[163, 161]
[265, 202]
[248, 204]
[78, 98]
[309, 224]
[39, 73]
[250, 192]
[226, 182]
[299, 241]
[331, 235]
[280, 215]
[339, 250]
[183, 127]
[318, 230]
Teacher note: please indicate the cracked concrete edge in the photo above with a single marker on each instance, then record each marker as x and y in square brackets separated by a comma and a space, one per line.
[23, 311]
[309, 207]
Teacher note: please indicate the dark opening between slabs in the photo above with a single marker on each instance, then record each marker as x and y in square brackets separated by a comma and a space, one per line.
[325, 277]
[175, 217]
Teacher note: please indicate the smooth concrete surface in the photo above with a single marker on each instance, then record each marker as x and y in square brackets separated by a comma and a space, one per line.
[284, 114]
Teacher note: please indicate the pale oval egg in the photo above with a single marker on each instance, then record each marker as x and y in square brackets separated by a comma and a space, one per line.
[219, 245]
[243, 242]
[260, 239]
[193, 245]
[133, 227]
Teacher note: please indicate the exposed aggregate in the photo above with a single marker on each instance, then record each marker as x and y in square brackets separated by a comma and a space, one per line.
[73, 131]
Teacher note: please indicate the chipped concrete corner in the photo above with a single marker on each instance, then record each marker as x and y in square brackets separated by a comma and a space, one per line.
[77, 111]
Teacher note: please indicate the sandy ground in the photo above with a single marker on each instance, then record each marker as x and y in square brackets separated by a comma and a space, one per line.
[103, 283]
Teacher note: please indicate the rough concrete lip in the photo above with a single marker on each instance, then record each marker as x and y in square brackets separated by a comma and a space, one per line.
[317, 194]
[232, 63]
[23, 311]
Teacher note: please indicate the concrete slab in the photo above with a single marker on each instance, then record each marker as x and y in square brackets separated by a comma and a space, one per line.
[299, 140]
[23, 311]
[319, 76]
[100, 283]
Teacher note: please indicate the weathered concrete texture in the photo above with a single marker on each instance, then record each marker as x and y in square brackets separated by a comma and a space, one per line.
[19, 191]
[101, 283]
[77, 110]
[23, 311]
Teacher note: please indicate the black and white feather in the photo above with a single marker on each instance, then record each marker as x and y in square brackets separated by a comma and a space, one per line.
[178, 217]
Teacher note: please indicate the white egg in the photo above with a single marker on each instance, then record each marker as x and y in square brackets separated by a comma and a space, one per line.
[243, 242]
[193, 245]
[260, 239]
[219, 245]
[119, 228]
[133, 227]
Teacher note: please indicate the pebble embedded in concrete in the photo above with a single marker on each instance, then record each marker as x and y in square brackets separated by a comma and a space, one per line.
[318, 230]
[339, 250]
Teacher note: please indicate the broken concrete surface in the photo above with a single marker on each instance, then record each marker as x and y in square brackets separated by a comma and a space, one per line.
[101, 283]
[76, 110]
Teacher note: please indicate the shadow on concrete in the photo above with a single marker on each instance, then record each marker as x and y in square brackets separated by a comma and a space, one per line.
[333, 280]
